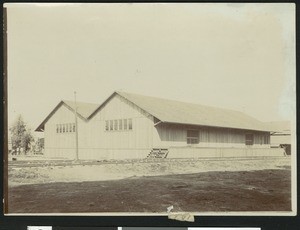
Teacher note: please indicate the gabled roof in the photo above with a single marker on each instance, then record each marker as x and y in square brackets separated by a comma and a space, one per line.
[84, 110]
[170, 111]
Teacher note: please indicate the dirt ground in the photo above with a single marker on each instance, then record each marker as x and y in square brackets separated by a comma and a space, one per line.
[40, 172]
[141, 186]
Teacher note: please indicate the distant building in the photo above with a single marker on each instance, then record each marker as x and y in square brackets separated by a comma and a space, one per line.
[281, 135]
[135, 126]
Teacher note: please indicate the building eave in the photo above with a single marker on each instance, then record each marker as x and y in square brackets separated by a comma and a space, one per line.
[41, 127]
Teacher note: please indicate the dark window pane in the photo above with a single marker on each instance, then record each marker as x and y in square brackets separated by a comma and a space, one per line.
[192, 136]
[125, 124]
[115, 124]
[249, 139]
[111, 125]
[130, 124]
[120, 124]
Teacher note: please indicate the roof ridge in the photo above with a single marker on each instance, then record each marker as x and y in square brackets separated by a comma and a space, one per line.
[188, 103]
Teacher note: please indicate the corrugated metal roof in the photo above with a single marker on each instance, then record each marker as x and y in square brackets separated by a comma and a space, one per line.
[171, 111]
[84, 109]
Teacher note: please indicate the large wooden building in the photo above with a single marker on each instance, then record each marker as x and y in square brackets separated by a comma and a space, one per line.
[128, 126]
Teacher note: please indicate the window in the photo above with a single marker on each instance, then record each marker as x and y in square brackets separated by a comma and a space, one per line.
[249, 139]
[67, 128]
[115, 124]
[63, 128]
[57, 128]
[106, 125]
[192, 137]
[60, 128]
[120, 124]
[125, 124]
[70, 127]
[130, 124]
[111, 125]
[74, 128]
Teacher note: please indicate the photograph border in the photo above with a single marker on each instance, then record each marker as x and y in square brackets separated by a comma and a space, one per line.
[267, 221]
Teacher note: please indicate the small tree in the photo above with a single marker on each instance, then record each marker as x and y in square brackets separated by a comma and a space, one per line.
[38, 146]
[21, 137]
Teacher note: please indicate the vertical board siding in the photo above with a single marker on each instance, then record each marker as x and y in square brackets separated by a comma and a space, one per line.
[169, 135]
[60, 145]
[177, 152]
[97, 143]
[94, 142]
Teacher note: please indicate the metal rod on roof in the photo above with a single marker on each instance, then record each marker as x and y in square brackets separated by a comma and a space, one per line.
[76, 126]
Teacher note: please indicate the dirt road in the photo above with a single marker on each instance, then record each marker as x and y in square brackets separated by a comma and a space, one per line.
[41, 172]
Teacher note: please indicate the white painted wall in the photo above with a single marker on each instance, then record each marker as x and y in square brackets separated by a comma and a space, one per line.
[195, 152]
[165, 136]
[97, 143]
[60, 144]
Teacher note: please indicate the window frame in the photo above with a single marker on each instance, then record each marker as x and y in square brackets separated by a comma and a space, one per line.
[189, 139]
[120, 124]
[125, 124]
[111, 125]
[130, 125]
[249, 142]
[116, 125]
[107, 125]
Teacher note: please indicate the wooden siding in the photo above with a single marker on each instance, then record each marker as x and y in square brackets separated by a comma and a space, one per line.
[169, 135]
[94, 142]
[60, 144]
[204, 152]
[138, 138]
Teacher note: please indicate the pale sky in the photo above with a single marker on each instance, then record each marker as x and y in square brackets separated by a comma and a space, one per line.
[236, 56]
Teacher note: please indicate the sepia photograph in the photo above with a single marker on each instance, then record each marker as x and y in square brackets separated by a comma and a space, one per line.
[150, 109]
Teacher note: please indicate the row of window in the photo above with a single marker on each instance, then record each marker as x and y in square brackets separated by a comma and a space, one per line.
[118, 124]
[65, 128]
